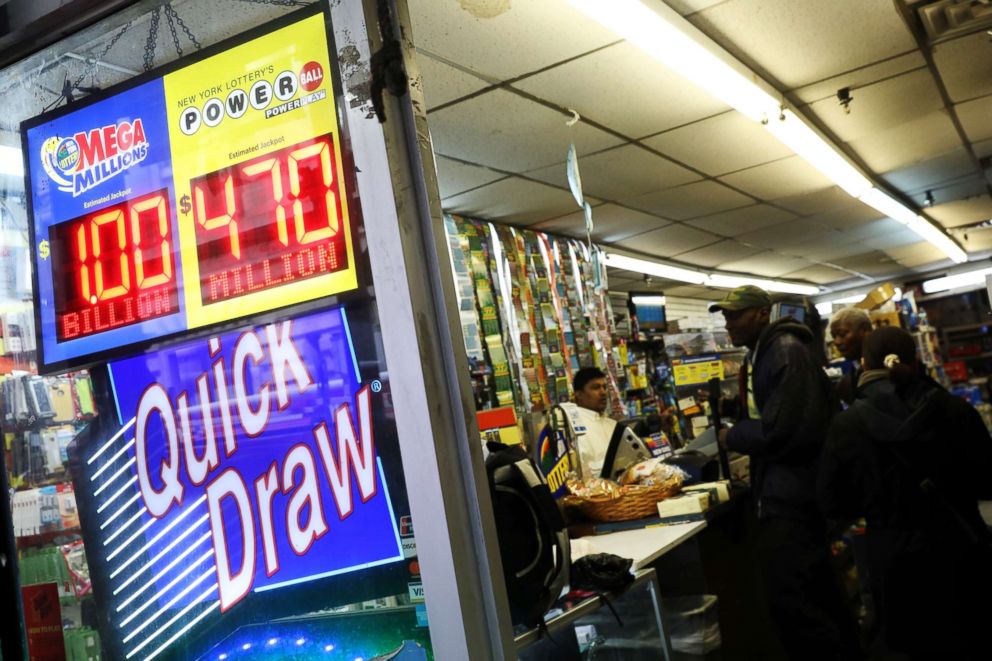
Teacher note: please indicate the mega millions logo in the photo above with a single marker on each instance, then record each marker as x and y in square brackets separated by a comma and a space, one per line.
[89, 158]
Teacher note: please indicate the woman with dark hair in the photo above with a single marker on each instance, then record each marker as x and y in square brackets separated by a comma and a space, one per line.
[913, 460]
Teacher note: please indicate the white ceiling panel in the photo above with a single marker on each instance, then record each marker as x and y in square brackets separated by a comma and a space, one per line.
[783, 178]
[668, 241]
[964, 188]
[786, 234]
[962, 212]
[512, 200]
[508, 132]
[691, 200]
[444, 83]
[623, 172]
[803, 41]
[850, 215]
[903, 237]
[454, 177]
[530, 34]
[741, 221]
[721, 144]
[874, 229]
[770, 265]
[625, 89]
[931, 174]
[685, 7]
[875, 264]
[908, 143]
[881, 105]
[916, 254]
[694, 291]
[827, 89]
[818, 202]
[819, 275]
[978, 241]
[718, 253]
[976, 118]
[965, 64]
[611, 223]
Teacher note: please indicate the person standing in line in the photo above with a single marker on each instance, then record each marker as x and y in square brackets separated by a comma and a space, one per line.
[783, 420]
[848, 328]
[914, 460]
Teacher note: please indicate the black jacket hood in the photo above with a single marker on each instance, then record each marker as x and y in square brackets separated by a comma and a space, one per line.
[785, 325]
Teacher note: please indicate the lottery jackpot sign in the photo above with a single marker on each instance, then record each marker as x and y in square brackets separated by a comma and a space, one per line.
[205, 194]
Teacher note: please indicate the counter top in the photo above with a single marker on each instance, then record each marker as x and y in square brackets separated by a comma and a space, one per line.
[644, 545]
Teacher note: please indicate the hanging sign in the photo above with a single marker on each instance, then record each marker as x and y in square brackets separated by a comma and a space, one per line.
[697, 370]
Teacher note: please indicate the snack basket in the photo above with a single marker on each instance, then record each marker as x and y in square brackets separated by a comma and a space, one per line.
[635, 502]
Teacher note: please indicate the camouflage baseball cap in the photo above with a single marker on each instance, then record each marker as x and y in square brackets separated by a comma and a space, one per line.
[742, 298]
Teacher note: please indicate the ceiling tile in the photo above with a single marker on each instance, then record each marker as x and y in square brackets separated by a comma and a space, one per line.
[931, 174]
[789, 176]
[965, 66]
[611, 223]
[859, 78]
[624, 88]
[718, 145]
[668, 241]
[508, 132]
[908, 143]
[962, 212]
[530, 34]
[691, 6]
[903, 237]
[766, 264]
[740, 221]
[978, 241]
[825, 248]
[718, 253]
[881, 105]
[874, 263]
[690, 200]
[444, 83]
[621, 172]
[852, 214]
[454, 177]
[818, 202]
[874, 229]
[916, 254]
[802, 41]
[974, 116]
[819, 275]
[785, 234]
[512, 200]
[693, 291]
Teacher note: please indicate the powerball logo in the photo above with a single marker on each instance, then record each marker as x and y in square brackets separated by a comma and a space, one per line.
[87, 159]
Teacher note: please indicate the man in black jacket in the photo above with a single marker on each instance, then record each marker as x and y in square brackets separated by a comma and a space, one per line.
[785, 412]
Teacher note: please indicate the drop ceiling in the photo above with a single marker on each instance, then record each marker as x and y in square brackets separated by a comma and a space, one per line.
[679, 176]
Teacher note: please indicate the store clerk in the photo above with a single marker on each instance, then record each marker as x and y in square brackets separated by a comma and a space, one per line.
[593, 429]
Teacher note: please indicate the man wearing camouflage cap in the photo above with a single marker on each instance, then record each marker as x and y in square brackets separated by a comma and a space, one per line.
[784, 414]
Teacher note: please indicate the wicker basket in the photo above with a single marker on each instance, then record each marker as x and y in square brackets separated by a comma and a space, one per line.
[636, 502]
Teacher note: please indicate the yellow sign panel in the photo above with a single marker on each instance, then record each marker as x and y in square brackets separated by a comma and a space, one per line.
[261, 197]
[694, 371]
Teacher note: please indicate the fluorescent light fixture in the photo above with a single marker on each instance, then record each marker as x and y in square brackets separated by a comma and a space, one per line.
[931, 233]
[894, 209]
[968, 279]
[795, 134]
[825, 309]
[11, 161]
[648, 300]
[847, 300]
[723, 281]
[662, 33]
[654, 268]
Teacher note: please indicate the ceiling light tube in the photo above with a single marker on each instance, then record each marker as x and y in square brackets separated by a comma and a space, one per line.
[968, 279]
[676, 43]
[795, 134]
[654, 269]
[724, 281]
[891, 207]
[931, 233]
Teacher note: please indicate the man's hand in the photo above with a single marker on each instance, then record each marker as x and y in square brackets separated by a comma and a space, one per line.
[721, 438]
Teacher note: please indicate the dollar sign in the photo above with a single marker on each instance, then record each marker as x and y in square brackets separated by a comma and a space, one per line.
[43, 251]
[184, 204]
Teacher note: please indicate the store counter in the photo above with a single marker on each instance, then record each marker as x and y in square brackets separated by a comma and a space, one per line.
[643, 546]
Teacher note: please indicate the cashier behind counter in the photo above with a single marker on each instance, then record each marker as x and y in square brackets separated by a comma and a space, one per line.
[600, 441]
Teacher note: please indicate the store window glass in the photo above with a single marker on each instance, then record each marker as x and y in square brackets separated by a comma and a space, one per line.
[199, 439]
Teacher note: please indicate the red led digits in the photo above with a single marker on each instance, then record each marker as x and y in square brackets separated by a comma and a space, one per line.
[114, 267]
[269, 221]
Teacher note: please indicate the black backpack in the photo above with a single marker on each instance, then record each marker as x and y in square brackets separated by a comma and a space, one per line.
[533, 541]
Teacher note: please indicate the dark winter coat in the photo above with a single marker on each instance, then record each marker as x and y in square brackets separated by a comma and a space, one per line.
[917, 485]
[793, 394]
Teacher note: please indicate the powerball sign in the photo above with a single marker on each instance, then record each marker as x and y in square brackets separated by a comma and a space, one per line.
[246, 462]
[247, 127]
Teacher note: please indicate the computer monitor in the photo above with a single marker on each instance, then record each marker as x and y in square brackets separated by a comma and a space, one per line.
[649, 308]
